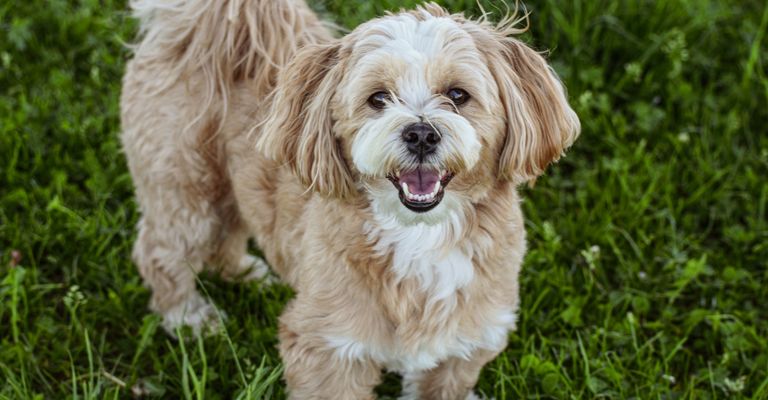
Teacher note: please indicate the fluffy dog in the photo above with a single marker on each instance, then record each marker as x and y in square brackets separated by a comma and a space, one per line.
[377, 172]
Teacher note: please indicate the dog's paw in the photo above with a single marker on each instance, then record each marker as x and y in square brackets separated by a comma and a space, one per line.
[196, 314]
[409, 395]
[475, 396]
[252, 268]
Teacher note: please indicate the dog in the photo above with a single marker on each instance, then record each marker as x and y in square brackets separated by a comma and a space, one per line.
[377, 172]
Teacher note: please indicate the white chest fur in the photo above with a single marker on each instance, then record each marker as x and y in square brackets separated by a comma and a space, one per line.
[434, 256]
[430, 253]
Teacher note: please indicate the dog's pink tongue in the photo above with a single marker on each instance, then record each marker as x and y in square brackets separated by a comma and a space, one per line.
[420, 181]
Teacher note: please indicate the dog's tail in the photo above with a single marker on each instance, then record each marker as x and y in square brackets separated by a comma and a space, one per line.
[224, 41]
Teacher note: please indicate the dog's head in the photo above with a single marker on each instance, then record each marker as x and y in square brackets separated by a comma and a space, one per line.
[421, 111]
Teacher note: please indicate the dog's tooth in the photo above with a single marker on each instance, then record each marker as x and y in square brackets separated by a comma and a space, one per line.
[405, 189]
[437, 188]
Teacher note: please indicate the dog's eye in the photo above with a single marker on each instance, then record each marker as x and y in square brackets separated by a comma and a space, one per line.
[457, 96]
[379, 100]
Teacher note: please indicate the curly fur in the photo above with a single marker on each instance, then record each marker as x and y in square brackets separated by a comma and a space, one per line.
[248, 119]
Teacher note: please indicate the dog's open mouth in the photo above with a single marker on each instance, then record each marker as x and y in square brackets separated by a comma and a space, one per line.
[421, 189]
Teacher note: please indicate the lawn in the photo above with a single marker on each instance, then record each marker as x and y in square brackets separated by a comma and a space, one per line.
[647, 275]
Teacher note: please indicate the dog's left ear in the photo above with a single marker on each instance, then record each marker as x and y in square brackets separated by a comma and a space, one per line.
[299, 129]
[540, 123]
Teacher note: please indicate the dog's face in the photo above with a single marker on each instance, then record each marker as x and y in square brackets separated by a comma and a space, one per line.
[422, 112]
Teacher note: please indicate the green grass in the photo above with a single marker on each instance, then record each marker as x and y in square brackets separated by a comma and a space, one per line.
[646, 276]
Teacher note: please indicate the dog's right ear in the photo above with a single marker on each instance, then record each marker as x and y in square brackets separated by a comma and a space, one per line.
[298, 131]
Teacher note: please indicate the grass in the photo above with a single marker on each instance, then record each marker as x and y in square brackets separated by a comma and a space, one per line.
[646, 275]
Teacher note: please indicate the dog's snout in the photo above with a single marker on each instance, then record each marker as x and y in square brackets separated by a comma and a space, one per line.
[421, 138]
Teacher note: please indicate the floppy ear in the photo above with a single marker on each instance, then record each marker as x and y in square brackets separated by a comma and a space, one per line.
[540, 123]
[299, 129]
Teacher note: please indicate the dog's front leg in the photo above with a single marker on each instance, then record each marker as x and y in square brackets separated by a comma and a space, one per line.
[314, 370]
[452, 379]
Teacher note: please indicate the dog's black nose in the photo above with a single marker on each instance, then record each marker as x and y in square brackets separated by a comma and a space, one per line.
[421, 138]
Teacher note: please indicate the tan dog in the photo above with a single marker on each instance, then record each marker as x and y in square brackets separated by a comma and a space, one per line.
[377, 173]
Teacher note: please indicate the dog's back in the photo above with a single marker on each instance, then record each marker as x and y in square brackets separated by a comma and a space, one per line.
[179, 96]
